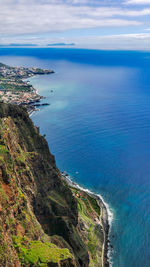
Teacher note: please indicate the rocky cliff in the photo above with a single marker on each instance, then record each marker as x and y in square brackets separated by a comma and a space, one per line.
[40, 222]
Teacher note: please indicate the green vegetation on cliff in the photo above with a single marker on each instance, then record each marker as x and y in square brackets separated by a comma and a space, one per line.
[90, 226]
[42, 221]
[37, 253]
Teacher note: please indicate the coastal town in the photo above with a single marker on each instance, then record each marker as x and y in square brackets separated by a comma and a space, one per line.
[16, 89]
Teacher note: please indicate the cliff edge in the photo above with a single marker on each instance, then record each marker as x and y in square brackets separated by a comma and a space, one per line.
[43, 222]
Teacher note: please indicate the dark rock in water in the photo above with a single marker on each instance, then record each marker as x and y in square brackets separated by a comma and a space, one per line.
[38, 100]
[40, 105]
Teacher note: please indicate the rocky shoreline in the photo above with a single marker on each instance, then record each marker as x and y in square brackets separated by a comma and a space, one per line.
[16, 89]
[106, 227]
[34, 106]
[103, 217]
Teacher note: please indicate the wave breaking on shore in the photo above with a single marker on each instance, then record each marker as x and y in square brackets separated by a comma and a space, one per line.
[107, 218]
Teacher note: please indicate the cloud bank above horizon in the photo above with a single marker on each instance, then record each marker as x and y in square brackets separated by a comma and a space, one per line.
[88, 23]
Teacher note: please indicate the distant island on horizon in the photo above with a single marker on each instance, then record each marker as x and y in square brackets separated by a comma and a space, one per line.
[36, 45]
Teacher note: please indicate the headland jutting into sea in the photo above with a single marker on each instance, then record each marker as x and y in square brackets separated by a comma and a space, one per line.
[15, 90]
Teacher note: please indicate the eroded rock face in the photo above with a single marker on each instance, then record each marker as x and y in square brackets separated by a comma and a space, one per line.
[35, 204]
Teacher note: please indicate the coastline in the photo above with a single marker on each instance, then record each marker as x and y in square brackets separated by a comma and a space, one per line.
[16, 88]
[105, 218]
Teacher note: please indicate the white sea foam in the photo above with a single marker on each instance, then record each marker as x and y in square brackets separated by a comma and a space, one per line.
[30, 114]
[110, 220]
[109, 211]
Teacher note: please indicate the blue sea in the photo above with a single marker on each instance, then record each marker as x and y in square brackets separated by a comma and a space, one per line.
[98, 127]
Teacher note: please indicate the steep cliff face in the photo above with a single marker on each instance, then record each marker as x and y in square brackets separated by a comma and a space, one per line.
[41, 220]
[37, 210]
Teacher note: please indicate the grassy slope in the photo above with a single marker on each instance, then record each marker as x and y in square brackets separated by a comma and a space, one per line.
[40, 220]
[90, 225]
[22, 238]
[18, 224]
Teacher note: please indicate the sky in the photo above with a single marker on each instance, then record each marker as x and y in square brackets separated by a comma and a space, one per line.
[99, 24]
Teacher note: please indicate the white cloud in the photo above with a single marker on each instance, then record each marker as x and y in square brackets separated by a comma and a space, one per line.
[21, 17]
[137, 2]
[34, 21]
[139, 41]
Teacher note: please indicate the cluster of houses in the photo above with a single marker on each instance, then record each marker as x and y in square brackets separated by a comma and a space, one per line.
[19, 98]
[13, 76]
[21, 72]
[15, 90]
[14, 71]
